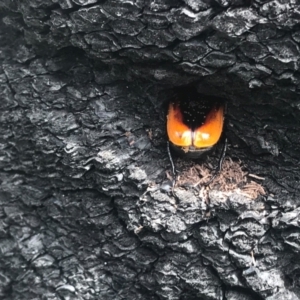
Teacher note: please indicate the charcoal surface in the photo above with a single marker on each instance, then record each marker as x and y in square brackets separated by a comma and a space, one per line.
[86, 210]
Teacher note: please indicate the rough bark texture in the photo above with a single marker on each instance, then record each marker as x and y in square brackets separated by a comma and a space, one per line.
[84, 208]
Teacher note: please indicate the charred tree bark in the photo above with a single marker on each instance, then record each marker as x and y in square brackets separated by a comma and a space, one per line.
[85, 208]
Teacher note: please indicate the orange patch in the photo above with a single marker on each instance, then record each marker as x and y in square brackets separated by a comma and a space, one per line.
[179, 133]
[210, 132]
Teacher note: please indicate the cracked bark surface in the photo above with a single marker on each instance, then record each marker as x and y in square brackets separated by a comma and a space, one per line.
[84, 212]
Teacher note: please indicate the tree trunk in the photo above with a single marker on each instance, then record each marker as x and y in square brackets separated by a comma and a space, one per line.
[87, 209]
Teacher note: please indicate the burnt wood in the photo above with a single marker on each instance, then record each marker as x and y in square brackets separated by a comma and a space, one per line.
[85, 212]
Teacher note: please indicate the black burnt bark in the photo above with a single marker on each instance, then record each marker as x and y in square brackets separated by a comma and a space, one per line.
[85, 212]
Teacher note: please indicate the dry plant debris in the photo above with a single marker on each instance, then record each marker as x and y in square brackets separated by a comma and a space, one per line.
[232, 178]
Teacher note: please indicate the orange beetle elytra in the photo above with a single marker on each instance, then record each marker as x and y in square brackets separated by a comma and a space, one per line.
[195, 123]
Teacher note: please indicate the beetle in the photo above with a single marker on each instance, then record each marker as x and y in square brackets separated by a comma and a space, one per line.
[195, 125]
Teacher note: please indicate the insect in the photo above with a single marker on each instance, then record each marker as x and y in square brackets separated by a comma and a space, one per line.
[194, 125]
